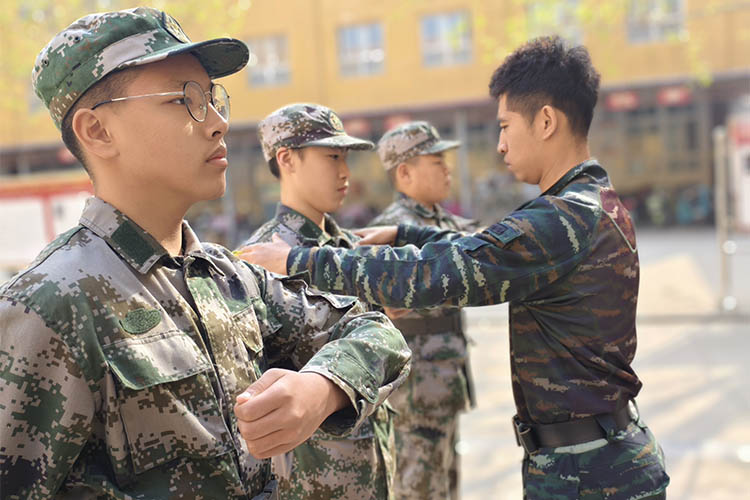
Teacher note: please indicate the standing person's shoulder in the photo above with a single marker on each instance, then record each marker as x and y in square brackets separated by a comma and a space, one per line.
[16, 283]
[396, 213]
[274, 226]
[463, 223]
[57, 265]
[555, 224]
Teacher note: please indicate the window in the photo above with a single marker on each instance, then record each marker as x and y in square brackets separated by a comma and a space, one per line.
[361, 49]
[269, 61]
[446, 39]
[681, 137]
[558, 18]
[655, 20]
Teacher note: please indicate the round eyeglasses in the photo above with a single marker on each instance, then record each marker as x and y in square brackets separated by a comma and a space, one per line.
[194, 98]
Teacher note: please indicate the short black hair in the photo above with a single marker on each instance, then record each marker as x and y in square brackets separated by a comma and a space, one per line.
[273, 165]
[111, 86]
[546, 71]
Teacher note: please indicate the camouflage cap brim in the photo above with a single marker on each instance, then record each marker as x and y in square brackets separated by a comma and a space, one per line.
[341, 141]
[219, 57]
[440, 146]
[98, 44]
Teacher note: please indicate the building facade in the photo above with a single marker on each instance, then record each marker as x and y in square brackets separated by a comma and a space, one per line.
[671, 71]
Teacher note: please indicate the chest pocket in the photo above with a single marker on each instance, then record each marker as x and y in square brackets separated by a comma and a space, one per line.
[247, 327]
[165, 399]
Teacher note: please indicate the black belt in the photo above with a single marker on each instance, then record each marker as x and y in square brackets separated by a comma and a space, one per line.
[427, 325]
[270, 492]
[534, 436]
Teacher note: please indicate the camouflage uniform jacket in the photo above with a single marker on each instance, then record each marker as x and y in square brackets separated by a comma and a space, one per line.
[296, 229]
[567, 263]
[119, 364]
[406, 210]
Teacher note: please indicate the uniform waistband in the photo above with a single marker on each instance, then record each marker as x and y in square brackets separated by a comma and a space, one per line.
[532, 437]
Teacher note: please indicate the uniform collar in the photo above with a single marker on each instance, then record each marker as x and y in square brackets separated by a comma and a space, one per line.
[130, 241]
[436, 212]
[589, 167]
[306, 228]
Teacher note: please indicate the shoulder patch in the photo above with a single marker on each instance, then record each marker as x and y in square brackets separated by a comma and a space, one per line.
[503, 232]
[618, 214]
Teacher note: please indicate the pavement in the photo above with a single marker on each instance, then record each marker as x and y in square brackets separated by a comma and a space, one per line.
[691, 358]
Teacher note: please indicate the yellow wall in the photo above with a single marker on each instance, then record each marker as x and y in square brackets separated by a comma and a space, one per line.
[717, 41]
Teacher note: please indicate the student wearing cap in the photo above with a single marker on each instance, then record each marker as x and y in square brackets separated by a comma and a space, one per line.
[136, 361]
[439, 386]
[306, 148]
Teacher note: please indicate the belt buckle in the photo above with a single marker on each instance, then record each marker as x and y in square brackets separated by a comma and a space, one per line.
[524, 437]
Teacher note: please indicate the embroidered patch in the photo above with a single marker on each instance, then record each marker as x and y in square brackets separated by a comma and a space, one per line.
[140, 320]
[336, 123]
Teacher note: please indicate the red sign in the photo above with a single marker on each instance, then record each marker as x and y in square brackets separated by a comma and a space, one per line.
[395, 120]
[65, 157]
[740, 132]
[624, 100]
[358, 126]
[679, 95]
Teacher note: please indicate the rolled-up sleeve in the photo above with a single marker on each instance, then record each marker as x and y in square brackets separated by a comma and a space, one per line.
[359, 351]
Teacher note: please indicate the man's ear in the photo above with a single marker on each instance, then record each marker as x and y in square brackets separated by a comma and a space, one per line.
[93, 136]
[285, 161]
[548, 121]
[403, 173]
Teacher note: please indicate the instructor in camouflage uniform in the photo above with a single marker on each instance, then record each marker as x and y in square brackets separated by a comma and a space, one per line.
[134, 359]
[439, 385]
[566, 261]
[306, 149]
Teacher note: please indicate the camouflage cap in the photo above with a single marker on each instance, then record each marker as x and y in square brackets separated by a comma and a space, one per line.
[301, 125]
[98, 44]
[409, 140]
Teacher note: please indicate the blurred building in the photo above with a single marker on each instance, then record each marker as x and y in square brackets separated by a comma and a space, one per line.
[671, 70]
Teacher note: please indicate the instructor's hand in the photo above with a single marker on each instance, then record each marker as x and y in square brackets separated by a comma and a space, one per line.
[395, 313]
[283, 408]
[271, 255]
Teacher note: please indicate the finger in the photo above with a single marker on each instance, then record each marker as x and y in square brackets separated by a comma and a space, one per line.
[258, 399]
[244, 253]
[268, 446]
[262, 427]
[264, 382]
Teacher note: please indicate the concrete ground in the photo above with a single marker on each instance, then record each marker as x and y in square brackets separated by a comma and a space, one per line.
[691, 359]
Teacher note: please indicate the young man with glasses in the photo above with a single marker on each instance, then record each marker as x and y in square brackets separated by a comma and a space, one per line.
[134, 359]
[306, 148]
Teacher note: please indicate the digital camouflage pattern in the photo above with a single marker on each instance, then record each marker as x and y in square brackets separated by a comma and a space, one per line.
[119, 364]
[439, 386]
[567, 263]
[630, 466]
[98, 44]
[302, 125]
[409, 140]
[360, 466]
